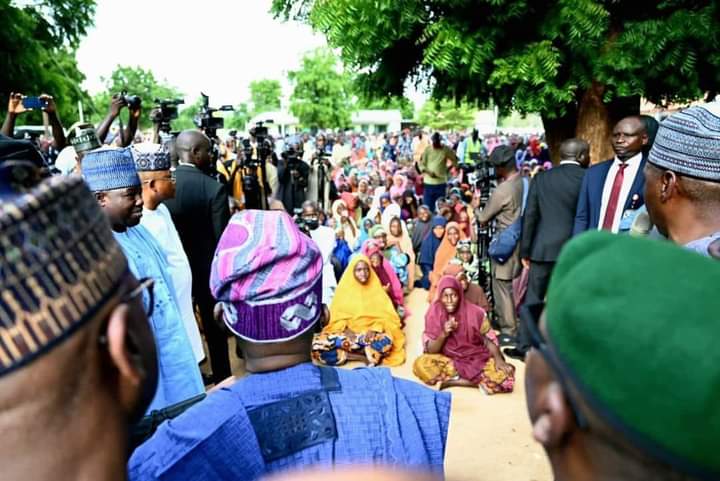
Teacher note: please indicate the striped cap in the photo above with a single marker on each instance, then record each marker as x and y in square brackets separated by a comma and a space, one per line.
[109, 169]
[59, 265]
[688, 142]
[268, 275]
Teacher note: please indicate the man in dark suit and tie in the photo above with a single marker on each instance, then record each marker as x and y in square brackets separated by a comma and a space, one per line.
[547, 224]
[613, 189]
[200, 212]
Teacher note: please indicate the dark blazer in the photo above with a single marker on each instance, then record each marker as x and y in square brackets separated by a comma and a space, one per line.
[550, 212]
[200, 212]
[587, 216]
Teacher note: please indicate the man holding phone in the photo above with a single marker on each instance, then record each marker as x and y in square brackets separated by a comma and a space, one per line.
[19, 104]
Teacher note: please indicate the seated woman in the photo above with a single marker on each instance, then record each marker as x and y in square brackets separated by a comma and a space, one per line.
[398, 237]
[341, 253]
[343, 221]
[365, 225]
[445, 253]
[429, 248]
[386, 274]
[472, 292]
[399, 261]
[460, 347]
[421, 228]
[363, 323]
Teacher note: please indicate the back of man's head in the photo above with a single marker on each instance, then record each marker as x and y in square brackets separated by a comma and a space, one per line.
[576, 150]
[503, 157]
[192, 146]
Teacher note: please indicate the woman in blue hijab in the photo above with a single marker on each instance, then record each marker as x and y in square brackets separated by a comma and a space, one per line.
[429, 247]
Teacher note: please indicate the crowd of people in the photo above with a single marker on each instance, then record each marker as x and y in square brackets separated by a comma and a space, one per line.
[117, 251]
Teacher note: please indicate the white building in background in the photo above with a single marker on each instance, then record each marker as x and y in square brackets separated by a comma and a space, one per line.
[376, 121]
[281, 122]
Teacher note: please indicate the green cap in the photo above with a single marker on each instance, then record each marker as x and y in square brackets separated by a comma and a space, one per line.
[634, 322]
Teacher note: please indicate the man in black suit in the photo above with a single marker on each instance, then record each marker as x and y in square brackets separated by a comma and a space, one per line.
[548, 223]
[200, 212]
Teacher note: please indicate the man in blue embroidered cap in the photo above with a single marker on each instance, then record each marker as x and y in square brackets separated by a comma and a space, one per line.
[682, 189]
[158, 184]
[289, 413]
[111, 174]
[77, 357]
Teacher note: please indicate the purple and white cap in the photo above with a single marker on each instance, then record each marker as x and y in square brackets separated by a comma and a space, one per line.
[268, 276]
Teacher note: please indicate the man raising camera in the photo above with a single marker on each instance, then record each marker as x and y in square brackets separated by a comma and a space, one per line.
[293, 176]
[134, 106]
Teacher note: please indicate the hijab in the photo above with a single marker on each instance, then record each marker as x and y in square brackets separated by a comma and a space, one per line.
[409, 209]
[445, 252]
[474, 293]
[421, 230]
[399, 185]
[350, 229]
[403, 242]
[364, 234]
[385, 272]
[366, 307]
[431, 243]
[465, 346]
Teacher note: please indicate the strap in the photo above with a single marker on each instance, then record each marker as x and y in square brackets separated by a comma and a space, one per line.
[526, 189]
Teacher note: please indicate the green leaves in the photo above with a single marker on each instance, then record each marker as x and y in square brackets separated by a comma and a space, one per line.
[265, 95]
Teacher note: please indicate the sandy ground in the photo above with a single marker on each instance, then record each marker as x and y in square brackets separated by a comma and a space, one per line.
[489, 437]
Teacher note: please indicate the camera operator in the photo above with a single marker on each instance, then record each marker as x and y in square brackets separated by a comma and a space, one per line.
[134, 106]
[504, 207]
[324, 237]
[319, 185]
[16, 107]
[293, 176]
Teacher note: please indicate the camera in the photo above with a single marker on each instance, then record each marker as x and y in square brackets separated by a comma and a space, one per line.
[293, 162]
[167, 110]
[133, 101]
[206, 119]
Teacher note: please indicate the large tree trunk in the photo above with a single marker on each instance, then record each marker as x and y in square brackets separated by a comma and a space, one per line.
[596, 119]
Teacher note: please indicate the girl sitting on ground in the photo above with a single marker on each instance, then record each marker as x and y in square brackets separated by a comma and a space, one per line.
[460, 347]
[363, 325]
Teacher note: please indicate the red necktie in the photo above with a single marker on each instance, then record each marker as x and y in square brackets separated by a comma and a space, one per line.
[614, 197]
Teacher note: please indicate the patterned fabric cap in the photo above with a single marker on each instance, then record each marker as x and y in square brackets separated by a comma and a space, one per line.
[109, 169]
[150, 157]
[268, 275]
[688, 142]
[59, 264]
[83, 137]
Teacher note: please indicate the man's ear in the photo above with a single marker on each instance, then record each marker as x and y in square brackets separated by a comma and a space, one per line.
[125, 357]
[555, 420]
[668, 185]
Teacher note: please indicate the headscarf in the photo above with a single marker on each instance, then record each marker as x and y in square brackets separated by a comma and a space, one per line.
[474, 293]
[366, 307]
[399, 185]
[385, 272]
[393, 210]
[465, 346]
[444, 254]
[431, 243]
[403, 242]
[421, 230]
[384, 196]
[364, 234]
[339, 179]
[350, 229]
[409, 211]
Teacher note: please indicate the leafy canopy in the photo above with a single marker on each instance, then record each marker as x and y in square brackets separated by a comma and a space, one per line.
[37, 51]
[265, 95]
[321, 94]
[446, 115]
[530, 56]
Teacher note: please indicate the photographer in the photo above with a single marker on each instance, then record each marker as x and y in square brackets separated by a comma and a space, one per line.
[293, 176]
[318, 161]
[16, 107]
[504, 207]
[118, 101]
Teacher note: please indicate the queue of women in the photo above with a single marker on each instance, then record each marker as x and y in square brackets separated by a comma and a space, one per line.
[388, 244]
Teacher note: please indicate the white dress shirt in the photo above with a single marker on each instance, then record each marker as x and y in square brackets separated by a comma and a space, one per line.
[324, 237]
[631, 171]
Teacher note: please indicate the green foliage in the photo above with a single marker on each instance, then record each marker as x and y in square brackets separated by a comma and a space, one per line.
[239, 117]
[265, 95]
[321, 95]
[529, 56]
[136, 81]
[37, 52]
[446, 115]
[186, 116]
[403, 104]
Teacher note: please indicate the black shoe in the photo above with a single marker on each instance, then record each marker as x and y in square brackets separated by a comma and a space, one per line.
[506, 340]
[515, 353]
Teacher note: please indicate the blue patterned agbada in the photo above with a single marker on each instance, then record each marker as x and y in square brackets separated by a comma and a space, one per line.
[179, 376]
[380, 420]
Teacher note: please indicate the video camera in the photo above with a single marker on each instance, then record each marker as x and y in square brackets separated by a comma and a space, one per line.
[255, 155]
[167, 110]
[132, 101]
[207, 121]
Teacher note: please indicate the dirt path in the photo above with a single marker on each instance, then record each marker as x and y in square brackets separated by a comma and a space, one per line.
[489, 436]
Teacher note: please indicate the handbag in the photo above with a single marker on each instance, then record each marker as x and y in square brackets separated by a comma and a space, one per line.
[503, 245]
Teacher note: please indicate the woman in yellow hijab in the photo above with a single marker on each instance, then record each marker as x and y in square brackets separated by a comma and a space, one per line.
[364, 325]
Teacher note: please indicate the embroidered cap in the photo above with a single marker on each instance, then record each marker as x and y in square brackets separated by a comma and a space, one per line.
[268, 277]
[109, 169]
[150, 157]
[59, 265]
[688, 142]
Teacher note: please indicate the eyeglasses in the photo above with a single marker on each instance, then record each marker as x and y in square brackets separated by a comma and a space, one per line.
[145, 285]
[531, 314]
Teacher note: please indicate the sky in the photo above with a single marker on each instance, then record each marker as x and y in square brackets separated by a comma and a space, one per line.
[214, 46]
